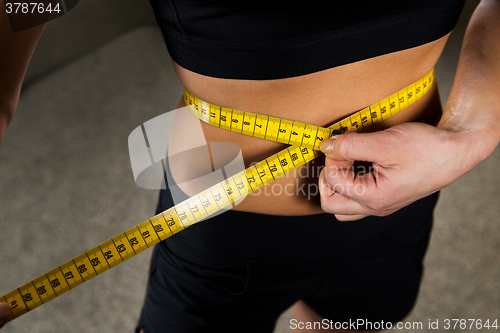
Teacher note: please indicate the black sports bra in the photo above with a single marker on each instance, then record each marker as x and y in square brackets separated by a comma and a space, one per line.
[259, 40]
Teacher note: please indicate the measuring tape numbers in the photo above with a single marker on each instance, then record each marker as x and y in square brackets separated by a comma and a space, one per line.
[304, 140]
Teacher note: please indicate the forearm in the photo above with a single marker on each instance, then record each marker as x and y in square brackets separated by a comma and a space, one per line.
[16, 50]
[474, 103]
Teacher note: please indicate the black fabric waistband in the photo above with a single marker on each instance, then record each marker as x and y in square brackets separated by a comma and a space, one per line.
[244, 235]
[237, 235]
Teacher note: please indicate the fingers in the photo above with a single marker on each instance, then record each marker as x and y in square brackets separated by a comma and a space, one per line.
[352, 146]
[335, 202]
[347, 165]
[405, 163]
[351, 196]
[346, 218]
[4, 313]
[349, 182]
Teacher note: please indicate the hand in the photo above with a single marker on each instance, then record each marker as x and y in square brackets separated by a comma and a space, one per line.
[410, 161]
[4, 313]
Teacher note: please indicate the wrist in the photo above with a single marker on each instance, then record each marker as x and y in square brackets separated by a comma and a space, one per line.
[473, 121]
[474, 146]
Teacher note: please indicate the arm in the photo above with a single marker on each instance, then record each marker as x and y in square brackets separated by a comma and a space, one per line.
[413, 160]
[16, 50]
[473, 107]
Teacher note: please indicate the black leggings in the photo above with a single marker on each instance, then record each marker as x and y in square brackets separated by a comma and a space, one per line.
[237, 272]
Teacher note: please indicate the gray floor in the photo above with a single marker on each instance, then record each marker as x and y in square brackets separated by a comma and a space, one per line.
[67, 186]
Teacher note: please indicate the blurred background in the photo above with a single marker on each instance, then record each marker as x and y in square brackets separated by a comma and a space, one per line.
[66, 184]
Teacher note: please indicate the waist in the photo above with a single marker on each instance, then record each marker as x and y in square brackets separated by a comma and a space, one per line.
[319, 99]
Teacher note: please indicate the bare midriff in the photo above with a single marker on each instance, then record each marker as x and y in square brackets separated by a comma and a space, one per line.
[320, 98]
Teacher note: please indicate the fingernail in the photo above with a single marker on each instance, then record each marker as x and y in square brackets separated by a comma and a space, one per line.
[327, 146]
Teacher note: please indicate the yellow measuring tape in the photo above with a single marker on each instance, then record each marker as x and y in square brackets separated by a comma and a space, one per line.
[304, 140]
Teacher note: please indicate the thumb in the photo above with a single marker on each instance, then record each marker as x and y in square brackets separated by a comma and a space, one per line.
[352, 146]
[4, 313]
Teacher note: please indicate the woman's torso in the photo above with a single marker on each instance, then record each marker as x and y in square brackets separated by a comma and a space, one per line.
[314, 62]
[320, 98]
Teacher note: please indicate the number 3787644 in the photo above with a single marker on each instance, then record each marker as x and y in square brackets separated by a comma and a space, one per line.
[31, 7]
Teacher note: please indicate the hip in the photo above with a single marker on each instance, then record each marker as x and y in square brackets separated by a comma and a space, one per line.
[236, 235]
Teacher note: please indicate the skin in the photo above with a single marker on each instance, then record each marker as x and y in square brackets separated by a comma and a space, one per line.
[411, 158]
[467, 133]
[15, 54]
[320, 99]
[330, 95]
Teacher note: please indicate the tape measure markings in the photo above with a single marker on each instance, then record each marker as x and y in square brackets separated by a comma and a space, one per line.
[304, 140]
[270, 128]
